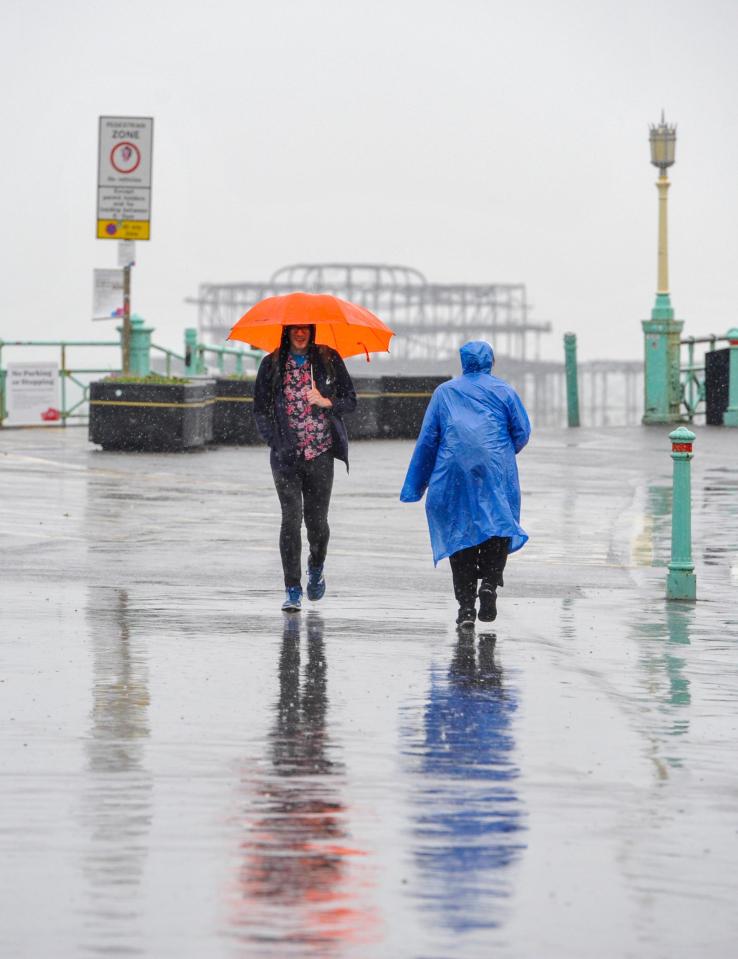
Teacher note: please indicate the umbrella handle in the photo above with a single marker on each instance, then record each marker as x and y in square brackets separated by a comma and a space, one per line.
[312, 379]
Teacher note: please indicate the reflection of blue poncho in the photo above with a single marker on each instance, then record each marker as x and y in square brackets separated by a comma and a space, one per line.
[465, 457]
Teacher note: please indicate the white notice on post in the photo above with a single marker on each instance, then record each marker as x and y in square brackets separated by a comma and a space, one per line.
[126, 252]
[107, 295]
[32, 394]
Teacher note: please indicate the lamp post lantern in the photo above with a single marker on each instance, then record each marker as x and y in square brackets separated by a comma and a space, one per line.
[662, 332]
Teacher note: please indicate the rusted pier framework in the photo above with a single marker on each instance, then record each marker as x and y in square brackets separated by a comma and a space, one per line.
[430, 319]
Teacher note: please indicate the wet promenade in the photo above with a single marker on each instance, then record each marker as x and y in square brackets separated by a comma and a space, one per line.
[186, 772]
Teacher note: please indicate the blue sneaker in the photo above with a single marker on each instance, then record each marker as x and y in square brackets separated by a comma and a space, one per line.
[292, 599]
[316, 583]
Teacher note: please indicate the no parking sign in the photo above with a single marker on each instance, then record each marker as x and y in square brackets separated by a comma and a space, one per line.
[124, 178]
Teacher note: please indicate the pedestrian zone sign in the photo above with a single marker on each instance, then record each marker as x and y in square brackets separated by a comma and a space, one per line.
[124, 178]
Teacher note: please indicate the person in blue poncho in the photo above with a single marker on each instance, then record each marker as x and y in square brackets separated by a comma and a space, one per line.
[465, 457]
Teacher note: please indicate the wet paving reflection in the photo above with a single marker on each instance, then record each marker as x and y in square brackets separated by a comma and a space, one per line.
[468, 817]
[301, 888]
[661, 636]
[186, 773]
[117, 800]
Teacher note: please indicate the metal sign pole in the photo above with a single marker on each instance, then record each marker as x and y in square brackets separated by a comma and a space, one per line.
[123, 207]
[126, 342]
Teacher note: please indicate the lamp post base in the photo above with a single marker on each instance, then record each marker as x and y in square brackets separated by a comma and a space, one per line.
[681, 584]
[662, 386]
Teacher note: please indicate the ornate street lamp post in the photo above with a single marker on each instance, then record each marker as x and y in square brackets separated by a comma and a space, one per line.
[662, 332]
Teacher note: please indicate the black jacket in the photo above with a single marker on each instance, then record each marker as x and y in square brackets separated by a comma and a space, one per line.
[331, 379]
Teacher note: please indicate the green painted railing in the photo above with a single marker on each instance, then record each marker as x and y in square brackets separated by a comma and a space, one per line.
[193, 362]
[194, 358]
[692, 373]
[67, 374]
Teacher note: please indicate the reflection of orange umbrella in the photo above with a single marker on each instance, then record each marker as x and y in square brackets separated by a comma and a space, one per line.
[350, 329]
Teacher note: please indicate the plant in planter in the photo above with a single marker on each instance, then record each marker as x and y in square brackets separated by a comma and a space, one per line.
[150, 413]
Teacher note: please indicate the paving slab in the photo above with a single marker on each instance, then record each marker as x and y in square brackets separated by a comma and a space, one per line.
[186, 771]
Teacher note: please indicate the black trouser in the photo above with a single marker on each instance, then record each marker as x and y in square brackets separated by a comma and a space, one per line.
[306, 486]
[485, 562]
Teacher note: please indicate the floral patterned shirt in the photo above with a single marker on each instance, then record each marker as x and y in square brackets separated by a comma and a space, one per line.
[310, 424]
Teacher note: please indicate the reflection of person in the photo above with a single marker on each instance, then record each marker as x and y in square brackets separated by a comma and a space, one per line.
[469, 816]
[465, 457]
[300, 876]
[302, 392]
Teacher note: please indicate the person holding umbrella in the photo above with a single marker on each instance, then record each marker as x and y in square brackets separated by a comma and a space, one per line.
[474, 427]
[302, 392]
[301, 395]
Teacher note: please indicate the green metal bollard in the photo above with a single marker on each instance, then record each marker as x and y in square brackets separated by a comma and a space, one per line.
[140, 347]
[730, 417]
[572, 379]
[681, 582]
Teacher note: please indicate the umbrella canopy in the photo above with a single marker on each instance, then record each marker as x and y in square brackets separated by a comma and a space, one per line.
[350, 329]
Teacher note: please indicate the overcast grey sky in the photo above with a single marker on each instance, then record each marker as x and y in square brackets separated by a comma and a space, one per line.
[476, 140]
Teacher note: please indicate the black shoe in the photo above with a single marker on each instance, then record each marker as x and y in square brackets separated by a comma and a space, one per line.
[487, 604]
[466, 617]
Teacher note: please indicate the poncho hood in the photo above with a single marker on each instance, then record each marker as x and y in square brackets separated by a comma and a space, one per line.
[477, 357]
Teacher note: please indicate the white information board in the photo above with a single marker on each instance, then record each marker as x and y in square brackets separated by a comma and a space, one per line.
[126, 253]
[107, 294]
[32, 394]
[124, 178]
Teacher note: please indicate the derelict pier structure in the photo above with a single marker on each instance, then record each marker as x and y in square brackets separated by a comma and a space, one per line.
[432, 320]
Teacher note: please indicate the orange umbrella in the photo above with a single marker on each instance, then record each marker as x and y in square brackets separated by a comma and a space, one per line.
[350, 329]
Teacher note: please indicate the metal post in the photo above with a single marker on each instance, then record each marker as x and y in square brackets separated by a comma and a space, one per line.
[191, 363]
[681, 582]
[572, 380]
[140, 347]
[126, 331]
[730, 417]
[63, 374]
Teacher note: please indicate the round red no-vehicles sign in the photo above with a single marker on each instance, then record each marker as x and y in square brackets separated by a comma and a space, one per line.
[125, 157]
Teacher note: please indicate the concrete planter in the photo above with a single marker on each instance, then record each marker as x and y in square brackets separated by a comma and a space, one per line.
[403, 404]
[233, 413]
[363, 424]
[151, 417]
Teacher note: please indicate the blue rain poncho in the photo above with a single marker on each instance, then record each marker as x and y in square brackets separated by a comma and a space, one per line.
[465, 458]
